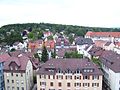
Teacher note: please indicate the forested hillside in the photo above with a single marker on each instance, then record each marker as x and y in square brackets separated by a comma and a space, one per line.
[77, 30]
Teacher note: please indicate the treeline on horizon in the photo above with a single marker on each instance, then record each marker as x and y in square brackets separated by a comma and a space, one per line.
[40, 27]
[77, 30]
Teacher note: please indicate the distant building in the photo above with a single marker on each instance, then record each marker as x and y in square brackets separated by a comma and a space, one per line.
[18, 73]
[106, 36]
[82, 43]
[69, 74]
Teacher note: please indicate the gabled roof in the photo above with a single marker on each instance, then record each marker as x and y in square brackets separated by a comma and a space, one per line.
[111, 60]
[95, 51]
[83, 41]
[20, 61]
[100, 43]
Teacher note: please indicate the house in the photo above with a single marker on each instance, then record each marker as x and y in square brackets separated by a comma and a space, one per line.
[3, 59]
[95, 52]
[69, 74]
[18, 73]
[62, 42]
[35, 45]
[60, 52]
[18, 46]
[100, 43]
[111, 68]
[82, 44]
[109, 46]
[117, 47]
[106, 36]
[47, 33]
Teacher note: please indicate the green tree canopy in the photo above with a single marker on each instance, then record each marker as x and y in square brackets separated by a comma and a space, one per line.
[73, 54]
[44, 57]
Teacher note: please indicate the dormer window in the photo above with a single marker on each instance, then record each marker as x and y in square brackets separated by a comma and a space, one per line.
[68, 71]
[77, 71]
[85, 70]
[59, 71]
[88, 70]
[16, 68]
[11, 68]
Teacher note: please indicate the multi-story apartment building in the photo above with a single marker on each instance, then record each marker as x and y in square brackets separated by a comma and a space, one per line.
[106, 36]
[111, 69]
[3, 58]
[18, 73]
[69, 74]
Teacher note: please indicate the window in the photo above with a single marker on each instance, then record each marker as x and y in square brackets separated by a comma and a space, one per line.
[13, 88]
[17, 88]
[16, 68]
[78, 71]
[7, 80]
[11, 74]
[59, 76]
[22, 82]
[17, 82]
[11, 68]
[16, 75]
[68, 84]
[53, 76]
[51, 83]
[42, 83]
[43, 76]
[7, 74]
[86, 84]
[42, 89]
[68, 77]
[95, 84]
[12, 81]
[48, 76]
[95, 77]
[21, 74]
[40, 76]
[77, 84]
[85, 77]
[59, 84]
[22, 88]
[8, 87]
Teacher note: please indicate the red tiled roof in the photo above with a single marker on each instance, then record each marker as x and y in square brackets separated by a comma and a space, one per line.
[100, 43]
[103, 34]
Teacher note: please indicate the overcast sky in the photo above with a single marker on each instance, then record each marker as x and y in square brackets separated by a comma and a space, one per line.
[94, 13]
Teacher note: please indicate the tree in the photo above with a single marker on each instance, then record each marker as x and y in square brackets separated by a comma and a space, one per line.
[44, 57]
[73, 54]
[31, 36]
[12, 50]
[40, 35]
[96, 61]
[37, 56]
[53, 54]
[50, 37]
[71, 38]
[12, 38]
